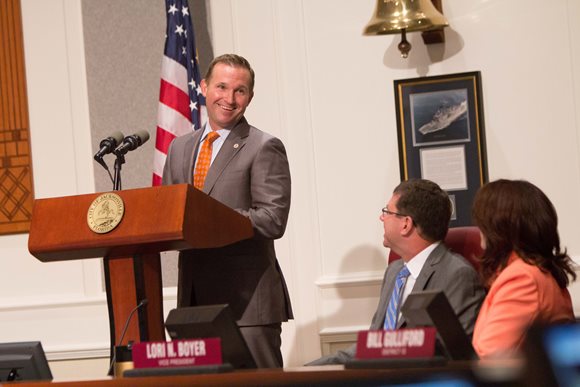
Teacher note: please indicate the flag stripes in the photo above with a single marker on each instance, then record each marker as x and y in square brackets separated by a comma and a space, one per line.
[181, 106]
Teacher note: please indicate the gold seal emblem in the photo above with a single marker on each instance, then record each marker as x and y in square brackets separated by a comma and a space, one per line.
[105, 212]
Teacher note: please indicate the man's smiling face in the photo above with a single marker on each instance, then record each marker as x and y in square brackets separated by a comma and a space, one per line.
[227, 94]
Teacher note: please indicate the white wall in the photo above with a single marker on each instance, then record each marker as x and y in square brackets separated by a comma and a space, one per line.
[327, 91]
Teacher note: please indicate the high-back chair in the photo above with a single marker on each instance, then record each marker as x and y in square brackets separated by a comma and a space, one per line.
[465, 241]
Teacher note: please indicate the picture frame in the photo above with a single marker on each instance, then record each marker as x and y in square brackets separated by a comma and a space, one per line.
[441, 136]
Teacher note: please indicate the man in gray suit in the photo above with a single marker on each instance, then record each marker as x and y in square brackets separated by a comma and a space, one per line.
[248, 171]
[416, 220]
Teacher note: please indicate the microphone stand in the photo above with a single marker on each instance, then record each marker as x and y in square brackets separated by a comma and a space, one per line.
[118, 165]
[119, 161]
[143, 303]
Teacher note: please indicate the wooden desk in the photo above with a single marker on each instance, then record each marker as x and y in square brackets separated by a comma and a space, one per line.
[303, 376]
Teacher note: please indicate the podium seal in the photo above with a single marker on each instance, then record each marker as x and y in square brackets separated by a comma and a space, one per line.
[105, 213]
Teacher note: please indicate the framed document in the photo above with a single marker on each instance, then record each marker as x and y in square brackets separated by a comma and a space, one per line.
[441, 136]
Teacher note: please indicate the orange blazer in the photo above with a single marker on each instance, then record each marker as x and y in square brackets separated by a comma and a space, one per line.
[520, 295]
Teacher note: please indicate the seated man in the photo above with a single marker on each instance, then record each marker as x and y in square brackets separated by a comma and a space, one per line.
[416, 220]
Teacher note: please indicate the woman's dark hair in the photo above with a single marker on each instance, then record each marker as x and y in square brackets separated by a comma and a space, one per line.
[515, 215]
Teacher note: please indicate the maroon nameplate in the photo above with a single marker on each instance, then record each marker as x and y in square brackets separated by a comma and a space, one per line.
[407, 343]
[177, 353]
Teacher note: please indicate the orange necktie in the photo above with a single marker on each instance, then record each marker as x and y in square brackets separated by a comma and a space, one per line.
[204, 160]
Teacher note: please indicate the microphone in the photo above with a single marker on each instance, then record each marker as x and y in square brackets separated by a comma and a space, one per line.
[143, 303]
[132, 142]
[108, 145]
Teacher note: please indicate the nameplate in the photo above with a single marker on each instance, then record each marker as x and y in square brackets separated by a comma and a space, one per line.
[400, 343]
[177, 353]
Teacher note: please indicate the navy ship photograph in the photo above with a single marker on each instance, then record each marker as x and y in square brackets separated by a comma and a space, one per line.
[440, 117]
[445, 116]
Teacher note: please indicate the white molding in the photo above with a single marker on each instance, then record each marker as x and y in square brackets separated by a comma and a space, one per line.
[21, 304]
[330, 342]
[345, 330]
[368, 278]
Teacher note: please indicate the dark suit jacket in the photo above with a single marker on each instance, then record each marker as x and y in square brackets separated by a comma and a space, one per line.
[443, 270]
[251, 175]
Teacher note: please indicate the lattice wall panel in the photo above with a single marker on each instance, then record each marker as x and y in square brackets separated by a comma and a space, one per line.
[16, 190]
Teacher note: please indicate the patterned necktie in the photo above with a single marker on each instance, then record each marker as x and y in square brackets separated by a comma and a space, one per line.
[204, 160]
[393, 307]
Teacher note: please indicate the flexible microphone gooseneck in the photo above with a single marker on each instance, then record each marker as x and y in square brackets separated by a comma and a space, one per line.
[143, 303]
[130, 143]
[108, 145]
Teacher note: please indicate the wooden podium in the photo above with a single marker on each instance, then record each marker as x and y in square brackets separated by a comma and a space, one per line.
[156, 219]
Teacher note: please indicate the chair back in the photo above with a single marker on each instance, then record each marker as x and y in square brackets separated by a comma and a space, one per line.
[465, 241]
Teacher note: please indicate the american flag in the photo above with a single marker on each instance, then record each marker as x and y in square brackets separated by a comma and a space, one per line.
[181, 104]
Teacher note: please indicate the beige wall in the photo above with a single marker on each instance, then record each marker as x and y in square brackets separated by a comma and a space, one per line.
[327, 91]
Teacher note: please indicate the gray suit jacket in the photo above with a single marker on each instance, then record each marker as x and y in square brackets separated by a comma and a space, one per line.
[443, 270]
[250, 174]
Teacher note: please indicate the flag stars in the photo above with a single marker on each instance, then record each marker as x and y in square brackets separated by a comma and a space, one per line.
[184, 11]
[183, 50]
[192, 83]
[192, 105]
[198, 89]
[172, 9]
[179, 29]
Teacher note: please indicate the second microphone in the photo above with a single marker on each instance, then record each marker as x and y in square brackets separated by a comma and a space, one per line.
[132, 142]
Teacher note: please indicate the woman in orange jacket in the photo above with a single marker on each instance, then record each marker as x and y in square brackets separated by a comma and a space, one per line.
[523, 265]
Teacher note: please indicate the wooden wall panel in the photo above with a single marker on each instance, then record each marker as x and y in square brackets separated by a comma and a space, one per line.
[16, 189]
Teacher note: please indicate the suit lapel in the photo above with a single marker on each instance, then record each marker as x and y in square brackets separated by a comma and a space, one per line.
[189, 152]
[430, 266]
[233, 144]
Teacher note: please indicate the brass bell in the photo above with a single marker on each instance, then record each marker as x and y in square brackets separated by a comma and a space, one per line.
[401, 16]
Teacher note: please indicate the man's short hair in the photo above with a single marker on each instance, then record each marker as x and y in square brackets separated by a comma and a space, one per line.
[427, 204]
[234, 61]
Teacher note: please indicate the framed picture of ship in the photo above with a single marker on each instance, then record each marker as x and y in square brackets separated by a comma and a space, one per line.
[441, 136]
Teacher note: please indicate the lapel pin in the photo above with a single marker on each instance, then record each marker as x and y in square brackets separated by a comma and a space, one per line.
[236, 146]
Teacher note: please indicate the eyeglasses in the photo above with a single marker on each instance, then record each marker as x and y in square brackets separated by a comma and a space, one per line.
[386, 211]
